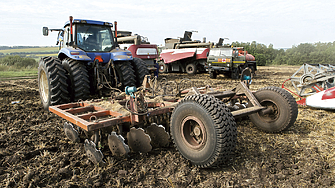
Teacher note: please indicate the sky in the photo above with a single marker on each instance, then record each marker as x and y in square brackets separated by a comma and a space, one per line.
[282, 23]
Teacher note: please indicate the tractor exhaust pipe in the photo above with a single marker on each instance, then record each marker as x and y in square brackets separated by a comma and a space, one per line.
[71, 40]
[116, 44]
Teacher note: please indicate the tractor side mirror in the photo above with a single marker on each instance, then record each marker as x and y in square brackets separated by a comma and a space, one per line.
[45, 31]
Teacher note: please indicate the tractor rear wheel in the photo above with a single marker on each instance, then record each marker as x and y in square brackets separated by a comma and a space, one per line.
[162, 67]
[191, 68]
[204, 130]
[52, 82]
[140, 71]
[281, 106]
[125, 74]
[78, 79]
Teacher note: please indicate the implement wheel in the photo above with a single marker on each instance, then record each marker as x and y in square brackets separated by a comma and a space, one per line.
[203, 130]
[281, 112]
[52, 82]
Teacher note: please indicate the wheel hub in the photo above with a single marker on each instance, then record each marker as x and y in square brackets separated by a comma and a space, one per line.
[272, 111]
[193, 132]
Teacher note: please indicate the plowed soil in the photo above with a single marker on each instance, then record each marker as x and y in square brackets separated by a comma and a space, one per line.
[34, 151]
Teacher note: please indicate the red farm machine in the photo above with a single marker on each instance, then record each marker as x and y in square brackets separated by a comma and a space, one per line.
[184, 55]
[140, 47]
[199, 120]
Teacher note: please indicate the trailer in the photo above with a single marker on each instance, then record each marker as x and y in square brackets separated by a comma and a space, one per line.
[199, 121]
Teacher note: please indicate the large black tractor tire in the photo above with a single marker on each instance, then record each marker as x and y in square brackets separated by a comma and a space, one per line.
[141, 70]
[52, 82]
[162, 67]
[78, 79]
[125, 74]
[284, 110]
[191, 69]
[204, 130]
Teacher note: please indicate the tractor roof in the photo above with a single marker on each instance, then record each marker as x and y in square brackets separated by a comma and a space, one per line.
[89, 22]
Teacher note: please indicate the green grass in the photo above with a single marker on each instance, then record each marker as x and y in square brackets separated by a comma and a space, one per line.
[19, 73]
[41, 49]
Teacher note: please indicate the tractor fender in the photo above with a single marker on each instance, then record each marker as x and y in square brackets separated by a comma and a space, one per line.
[118, 54]
[73, 53]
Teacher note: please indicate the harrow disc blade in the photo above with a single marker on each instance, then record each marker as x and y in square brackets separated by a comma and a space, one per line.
[93, 154]
[159, 137]
[70, 132]
[117, 146]
[138, 141]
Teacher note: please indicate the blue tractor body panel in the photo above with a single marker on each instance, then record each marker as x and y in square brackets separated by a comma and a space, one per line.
[80, 55]
[75, 53]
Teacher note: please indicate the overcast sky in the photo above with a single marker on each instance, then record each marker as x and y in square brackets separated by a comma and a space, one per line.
[282, 23]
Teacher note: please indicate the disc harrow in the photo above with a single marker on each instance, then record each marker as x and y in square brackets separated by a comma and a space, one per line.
[139, 119]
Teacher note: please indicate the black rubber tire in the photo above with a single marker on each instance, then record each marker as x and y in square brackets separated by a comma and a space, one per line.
[162, 67]
[219, 129]
[141, 70]
[52, 82]
[78, 79]
[191, 69]
[235, 74]
[213, 75]
[285, 110]
[125, 74]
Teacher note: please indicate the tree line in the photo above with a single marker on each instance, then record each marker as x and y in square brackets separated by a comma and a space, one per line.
[17, 62]
[310, 53]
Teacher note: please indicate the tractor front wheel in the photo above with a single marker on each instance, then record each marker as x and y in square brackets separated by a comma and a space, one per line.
[281, 111]
[203, 130]
[52, 82]
[140, 71]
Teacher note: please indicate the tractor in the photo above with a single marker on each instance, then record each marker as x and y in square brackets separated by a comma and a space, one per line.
[229, 61]
[89, 62]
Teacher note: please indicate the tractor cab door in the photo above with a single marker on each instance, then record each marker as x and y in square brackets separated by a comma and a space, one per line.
[66, 37]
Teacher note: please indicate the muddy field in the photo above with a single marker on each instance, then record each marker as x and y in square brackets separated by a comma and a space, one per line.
[34, 151]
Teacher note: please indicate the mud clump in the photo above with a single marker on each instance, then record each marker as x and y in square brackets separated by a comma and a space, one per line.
[34, 151]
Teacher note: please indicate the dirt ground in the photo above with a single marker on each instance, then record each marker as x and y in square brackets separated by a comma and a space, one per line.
[34, 151]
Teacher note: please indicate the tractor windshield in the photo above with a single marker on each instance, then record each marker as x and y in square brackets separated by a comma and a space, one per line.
[94, 37]
[221, 52]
